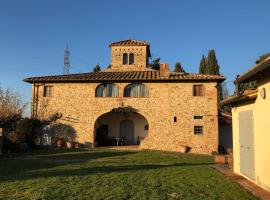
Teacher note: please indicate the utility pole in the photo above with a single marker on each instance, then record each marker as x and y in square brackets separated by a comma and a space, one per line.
[66, 61]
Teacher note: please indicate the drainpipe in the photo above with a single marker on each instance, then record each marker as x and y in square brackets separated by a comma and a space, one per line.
[33, 100]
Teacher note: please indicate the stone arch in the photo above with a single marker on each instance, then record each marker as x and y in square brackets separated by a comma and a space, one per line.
[107, 128]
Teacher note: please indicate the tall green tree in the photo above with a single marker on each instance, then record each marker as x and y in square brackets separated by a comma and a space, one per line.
[202, 68]
[178, 67]
[97, 68]
[212, 63]
[155, 64]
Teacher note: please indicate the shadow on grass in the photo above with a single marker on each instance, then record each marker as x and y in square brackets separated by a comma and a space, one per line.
[97, 170]
[10, 167]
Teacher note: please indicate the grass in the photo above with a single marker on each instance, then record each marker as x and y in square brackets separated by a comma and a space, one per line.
[111, 174]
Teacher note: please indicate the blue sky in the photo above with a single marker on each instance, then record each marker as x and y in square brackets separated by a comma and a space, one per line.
[34, 33]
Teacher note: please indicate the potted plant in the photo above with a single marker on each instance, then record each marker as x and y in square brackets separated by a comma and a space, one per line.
[65, 135]
[219, 158]
[68, 144]
[59, 142]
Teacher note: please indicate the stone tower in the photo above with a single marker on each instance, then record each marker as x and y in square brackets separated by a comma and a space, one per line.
[130, 55]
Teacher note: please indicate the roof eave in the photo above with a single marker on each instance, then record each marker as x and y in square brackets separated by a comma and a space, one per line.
[238, 99]
[31, 81]
[257, 68]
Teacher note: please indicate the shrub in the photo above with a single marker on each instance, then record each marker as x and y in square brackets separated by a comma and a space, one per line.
[28, 130]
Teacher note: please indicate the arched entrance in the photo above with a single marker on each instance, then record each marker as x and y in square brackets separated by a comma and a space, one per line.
[120, 128]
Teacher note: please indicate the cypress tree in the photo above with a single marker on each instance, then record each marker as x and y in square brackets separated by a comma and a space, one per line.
[97, 68]
[202, 68]
[178, 67]
[212, 63]
[155, 64]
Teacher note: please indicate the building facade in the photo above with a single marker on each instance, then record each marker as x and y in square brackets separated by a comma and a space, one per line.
[130, 103]
[250, 114]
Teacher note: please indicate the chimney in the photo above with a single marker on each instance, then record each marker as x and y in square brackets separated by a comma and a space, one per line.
[164, 70]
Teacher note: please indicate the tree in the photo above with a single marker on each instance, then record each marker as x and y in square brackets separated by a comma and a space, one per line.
[225, 92]
[202, 68]
[11, 107]
[262, 57]
[178, 67]
[155, 64]
[212, 66]
[97, 68]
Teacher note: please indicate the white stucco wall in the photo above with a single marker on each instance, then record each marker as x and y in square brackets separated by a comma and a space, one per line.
[261, 111]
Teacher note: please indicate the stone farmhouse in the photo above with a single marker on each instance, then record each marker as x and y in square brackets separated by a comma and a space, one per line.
[130, 103]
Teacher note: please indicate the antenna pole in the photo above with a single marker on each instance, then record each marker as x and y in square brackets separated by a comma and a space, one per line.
[66, 61]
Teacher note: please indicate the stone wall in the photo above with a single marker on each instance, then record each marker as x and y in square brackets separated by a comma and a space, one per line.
[80, 109]
[140, 58]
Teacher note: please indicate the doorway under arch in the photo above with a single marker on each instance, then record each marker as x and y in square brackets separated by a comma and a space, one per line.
[113, 129]
[127, 131]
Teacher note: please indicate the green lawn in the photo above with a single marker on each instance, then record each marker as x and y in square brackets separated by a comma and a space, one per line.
[111, 174]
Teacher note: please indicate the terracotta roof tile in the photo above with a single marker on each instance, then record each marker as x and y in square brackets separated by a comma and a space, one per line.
[150, 76]
[246, 95]
[130, 43]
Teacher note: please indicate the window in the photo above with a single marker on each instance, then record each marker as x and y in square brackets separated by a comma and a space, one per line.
[174, 119]
[107, 90]
[136, 90]
[131, 58]
[198, 117]
[198, 130]
[198, 90]
[47, 91]
[125, 59]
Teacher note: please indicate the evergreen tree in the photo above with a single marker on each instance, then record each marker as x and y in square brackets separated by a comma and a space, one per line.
[155, 64]
[212, 66]
[97, 68]
[178, 67]
[202, 68]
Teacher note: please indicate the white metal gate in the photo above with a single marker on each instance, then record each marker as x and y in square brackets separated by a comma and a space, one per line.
[246, 142]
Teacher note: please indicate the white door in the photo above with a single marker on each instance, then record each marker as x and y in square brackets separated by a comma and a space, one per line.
[246, 141]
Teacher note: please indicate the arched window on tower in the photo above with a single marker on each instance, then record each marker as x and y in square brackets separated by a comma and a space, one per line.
[136, 90]
[107, 90]
[131, 58]
[125, 59]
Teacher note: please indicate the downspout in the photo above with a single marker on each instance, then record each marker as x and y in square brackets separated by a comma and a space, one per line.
[33, 100]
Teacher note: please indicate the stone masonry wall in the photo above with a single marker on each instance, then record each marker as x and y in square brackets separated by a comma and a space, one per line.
[80, 109]
[140, 58]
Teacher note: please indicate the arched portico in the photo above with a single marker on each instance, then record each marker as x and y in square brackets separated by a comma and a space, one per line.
[120, 128]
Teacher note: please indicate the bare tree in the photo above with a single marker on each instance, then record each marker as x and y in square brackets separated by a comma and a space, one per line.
[11, 108]
[225, 92]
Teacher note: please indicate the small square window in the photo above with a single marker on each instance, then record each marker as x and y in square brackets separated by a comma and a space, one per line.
[174, 119]
[47, 91]
[198, 90]
[198, 130]
[198, 117]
